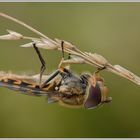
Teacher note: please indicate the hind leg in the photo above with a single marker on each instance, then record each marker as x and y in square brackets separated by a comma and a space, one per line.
[43, 64]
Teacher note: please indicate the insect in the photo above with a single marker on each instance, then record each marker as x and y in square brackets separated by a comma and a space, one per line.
[62, 85]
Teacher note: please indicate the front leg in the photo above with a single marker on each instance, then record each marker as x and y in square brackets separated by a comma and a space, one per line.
[100, 69]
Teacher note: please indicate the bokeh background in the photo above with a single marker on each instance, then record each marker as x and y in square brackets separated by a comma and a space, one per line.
[109, 29]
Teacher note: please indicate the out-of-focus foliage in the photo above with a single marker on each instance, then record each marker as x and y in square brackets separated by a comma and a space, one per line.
[110, 29]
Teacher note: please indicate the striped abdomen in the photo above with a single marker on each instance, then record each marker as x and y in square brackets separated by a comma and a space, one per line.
[18, 85]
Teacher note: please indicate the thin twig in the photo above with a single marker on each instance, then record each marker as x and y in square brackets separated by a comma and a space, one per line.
[88, 58]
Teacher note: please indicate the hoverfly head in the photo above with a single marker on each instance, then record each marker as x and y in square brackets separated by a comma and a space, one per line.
[96, 92]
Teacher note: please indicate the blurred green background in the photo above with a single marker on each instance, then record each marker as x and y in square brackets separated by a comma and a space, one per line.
[110, 29]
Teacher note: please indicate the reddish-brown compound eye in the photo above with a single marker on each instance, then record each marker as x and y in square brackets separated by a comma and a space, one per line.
[93, 98]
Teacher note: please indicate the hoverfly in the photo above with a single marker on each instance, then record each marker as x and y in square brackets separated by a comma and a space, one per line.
[62, 85]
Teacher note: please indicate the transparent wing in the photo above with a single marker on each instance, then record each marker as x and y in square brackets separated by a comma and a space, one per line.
[28, 84]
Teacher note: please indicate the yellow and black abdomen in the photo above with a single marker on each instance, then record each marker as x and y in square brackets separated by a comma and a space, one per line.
[19, 85]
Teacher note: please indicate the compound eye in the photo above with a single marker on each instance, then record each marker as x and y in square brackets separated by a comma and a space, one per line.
[94, 97]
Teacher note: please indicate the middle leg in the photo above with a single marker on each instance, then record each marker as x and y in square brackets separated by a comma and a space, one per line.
[60, 69]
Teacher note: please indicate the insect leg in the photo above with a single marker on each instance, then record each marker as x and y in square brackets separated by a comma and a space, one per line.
[60, 68]
[62, 46]
[69, 56]
[52, 76]
[100, 69]
[62, 60]
[43, 67]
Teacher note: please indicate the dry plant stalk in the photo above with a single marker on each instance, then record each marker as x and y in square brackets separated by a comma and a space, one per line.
[78, 56]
